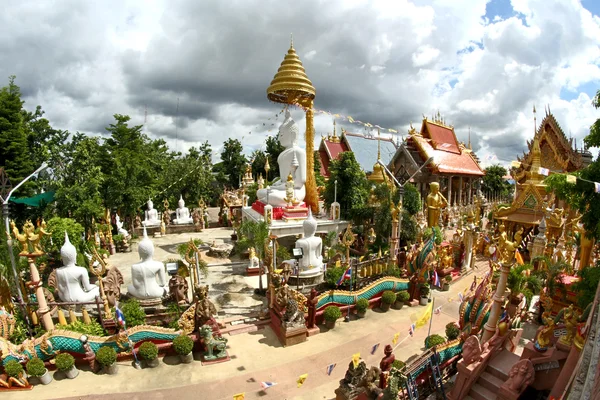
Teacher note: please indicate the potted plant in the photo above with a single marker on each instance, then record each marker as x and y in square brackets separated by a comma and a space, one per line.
[66, 363]
[433, 340]
[387, 299]
[401, 298]
[452, 331]
[183, 346]
[331, 314]
[447, 281]
[15, 370]
[149, 352]
[362, 305]
[107, 357]
[424, 294]
[37, 368]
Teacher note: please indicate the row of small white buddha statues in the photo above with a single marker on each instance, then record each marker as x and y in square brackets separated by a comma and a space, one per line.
[148, 277]
[183, 215]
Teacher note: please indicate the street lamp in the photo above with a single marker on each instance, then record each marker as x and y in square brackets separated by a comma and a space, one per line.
[9, 241]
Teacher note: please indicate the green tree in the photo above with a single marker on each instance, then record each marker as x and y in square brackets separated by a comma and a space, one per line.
[317, 164]
[14, 151]
[411, 200]
[493, 180]
[233, 162]
[253, 235]
[259, 159]
[274, 149]
[352, 186]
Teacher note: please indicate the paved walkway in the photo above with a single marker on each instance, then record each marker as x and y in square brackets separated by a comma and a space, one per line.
[258, 356]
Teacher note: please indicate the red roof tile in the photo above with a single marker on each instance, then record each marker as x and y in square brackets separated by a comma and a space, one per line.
[324, 162]
[335, 148]
[448, 162]
[442, 138]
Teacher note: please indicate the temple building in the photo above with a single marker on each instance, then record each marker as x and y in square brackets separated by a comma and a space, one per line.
[549, 150]
[454, 165]
[364, 147]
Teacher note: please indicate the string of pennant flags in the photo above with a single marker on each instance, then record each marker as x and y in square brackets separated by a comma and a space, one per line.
[572, 179]
[356, 357]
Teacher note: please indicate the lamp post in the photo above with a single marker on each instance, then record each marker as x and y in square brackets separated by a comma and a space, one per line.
[9, 242]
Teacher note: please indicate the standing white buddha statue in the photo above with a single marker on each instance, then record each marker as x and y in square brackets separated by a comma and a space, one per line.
[120, 229]
[73, 282]
[292, 160]
[183, 213]
[311, 263]
[148, 278]
[151, 215]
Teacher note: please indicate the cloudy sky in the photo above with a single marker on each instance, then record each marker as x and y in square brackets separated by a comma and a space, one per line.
[482, 64]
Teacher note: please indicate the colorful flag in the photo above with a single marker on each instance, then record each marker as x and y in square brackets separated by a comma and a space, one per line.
[460, 297]
[350, 119]
[515, 164]
[266, 385]
[301, 379]
[519, 257]
[347, 275]
[330, 368]
[426, 316]
[374, 348]
[411, 330]
[597, 187]
[239, 396]
[571, 179]
[395, 339]
[355, 359]
[120, 317]
[393, 130]
[438, 310]
[486, 238]
[544, 171]
[436, 279]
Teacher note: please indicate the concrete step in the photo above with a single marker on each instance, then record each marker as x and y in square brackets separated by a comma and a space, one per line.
[478, 392]
[501, 364]
[244, 327]
[490, 382]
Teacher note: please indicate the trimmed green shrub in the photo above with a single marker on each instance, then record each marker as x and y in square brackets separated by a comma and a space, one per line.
[148, 351]
[448, 278]
[106, 356]
[362, 305]
[398, 364]
[36, 367]
[183, 345]
[133, 312]
[388, 297]
[332, 313]
[64, 362]
[452, 331]
[424, 290]
[433, 340]
[402, 296]
[13, 369]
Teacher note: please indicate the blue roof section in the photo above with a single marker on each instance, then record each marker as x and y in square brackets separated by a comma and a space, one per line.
[365, 151]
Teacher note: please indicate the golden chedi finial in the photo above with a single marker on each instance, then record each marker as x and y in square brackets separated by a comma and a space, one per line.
[291, 84]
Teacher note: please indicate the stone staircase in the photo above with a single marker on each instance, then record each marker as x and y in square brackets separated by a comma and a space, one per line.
[238, 325]
[494, 376]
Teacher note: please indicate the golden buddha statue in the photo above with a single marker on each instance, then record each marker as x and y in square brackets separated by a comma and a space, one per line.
[435, 203]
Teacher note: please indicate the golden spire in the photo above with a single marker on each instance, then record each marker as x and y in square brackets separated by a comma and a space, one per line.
[470, 138]
[291, 84]
[335, 138]
[534, 121]
[378, 144]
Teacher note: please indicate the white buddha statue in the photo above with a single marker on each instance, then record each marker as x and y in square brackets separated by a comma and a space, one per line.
[291, 161]
[120, 229]
[73, 282]
[148, 279]
[183, 213]
[311, 262]
[151, 215]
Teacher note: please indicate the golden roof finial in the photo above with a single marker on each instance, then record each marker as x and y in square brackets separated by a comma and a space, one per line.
[291, 85]
[534, 121]
[378, 144]
[470, 138]
[291, 40]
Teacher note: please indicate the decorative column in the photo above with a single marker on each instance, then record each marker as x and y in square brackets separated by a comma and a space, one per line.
[43, 309]
[312, 197]
[460, 190]
[450, 190]
[468, 240]
[490, 326]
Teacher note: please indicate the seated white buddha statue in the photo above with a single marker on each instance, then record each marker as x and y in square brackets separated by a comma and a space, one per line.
[73, 282]
[183, 213]
[311, 262]
[120, 229]
[151, 215]
[291, 161]
[148, 279]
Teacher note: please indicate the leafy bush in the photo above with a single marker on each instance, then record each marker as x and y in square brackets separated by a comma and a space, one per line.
[402, 296]
[92, 329]
[332, 313]
[438, 234]
[64, 362]
[106, 356]
[434, 340]
[452, 331]
[393, 271]
[448, 278]
[58, 226]
[133, 312]
[183, 345]
[587, 285]
[398, 364]
[148, 351]
[388, 297]
[36, 367]
[13, 369]
[362, 305]
[333, 275]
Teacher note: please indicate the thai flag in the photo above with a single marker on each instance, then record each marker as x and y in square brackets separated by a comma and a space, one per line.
[330, 368]
[374, 348]
[411, 330]
[266, 385]
[120, 317]
[544, 171]
[347, 275]
[436, 279]
[460, 297]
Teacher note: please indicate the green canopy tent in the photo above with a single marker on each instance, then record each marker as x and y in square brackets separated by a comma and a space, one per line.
[38, 200]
